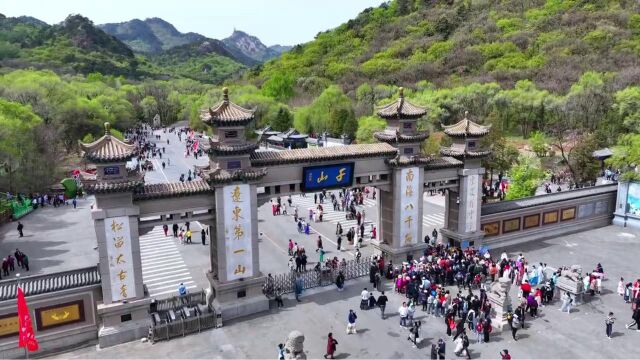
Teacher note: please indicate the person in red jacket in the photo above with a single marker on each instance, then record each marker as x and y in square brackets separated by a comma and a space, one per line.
[526, 289]
[331, 346]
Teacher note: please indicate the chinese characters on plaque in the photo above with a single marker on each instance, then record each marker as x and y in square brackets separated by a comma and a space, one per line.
[237, 231]
[410, 197]
[118, 237]
[473, 193]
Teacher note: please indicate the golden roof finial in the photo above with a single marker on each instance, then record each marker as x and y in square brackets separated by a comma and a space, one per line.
[401, 90]
[107, 128]
[225, 93]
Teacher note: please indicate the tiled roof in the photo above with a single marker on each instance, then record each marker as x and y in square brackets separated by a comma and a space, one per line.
[108, 148]
[102, 187]
[503, 206]
[466, 127]
[40, 284]
[392, 137]
[428, 162]
[227, 113]
[217, 148]
[266, 158]
[154, 191]
[223, 176]
[443, 163]
[401, 108]
[461, 153]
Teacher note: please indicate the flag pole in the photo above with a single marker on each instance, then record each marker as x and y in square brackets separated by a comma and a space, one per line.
[26, 353]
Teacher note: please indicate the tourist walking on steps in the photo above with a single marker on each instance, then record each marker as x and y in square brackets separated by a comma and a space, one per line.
[331, 346]
[203, 236]
[609, 324]
[20, 228]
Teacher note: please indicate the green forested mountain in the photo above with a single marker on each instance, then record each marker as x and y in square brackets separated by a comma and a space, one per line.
[551, 42]
[151, 35]
[73, 46]
[77, 46]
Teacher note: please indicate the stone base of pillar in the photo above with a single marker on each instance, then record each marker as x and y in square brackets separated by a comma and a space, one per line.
[399, 255]
[123, 322]
[624, 220]
[238, 298]
[457, 239]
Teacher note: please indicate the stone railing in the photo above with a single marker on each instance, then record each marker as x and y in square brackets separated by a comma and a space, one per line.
[41, 284]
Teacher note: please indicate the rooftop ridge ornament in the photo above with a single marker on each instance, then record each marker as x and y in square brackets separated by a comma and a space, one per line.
[225, 94]
[107, 128]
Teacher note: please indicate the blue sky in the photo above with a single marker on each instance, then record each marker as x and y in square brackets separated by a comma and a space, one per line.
[285, 22]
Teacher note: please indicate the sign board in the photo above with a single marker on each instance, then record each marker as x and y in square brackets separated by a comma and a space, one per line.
[60, 314]
[112, 170]
[118, 238]
[9, 325]
[472, 187]
[238, 230]
[410, 197]
[327, 176]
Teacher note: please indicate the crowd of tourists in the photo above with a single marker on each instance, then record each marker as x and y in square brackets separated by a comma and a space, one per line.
[9, 263]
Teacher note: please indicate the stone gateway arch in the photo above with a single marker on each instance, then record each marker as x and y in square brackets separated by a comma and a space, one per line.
[238, 179]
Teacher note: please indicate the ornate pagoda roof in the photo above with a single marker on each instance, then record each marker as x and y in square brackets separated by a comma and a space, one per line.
[466, 128]
[393, 137]
[401, 109]
[164, 190]
[227, 113]
[108, 148]
[295, 156]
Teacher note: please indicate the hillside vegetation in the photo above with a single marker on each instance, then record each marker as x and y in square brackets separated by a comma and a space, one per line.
[447, 43]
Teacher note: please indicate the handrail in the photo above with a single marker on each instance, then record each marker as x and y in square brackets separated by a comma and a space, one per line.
[40, 284]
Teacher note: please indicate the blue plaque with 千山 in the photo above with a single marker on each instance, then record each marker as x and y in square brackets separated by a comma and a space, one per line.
[327, 176]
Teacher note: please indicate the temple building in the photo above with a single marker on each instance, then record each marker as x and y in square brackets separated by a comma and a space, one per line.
[466, 136]
[110, 155]
[402, 127]
[229, 150]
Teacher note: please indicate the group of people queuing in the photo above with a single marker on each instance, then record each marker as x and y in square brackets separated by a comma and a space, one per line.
[17, 258]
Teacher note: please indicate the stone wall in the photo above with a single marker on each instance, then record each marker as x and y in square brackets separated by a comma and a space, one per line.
[61, 319]
[540, 217]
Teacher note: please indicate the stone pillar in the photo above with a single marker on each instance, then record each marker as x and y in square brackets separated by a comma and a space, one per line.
[464, 210]
[620, 217]
[400, 216]
[236, 278]
[124, 310]
[500, 300]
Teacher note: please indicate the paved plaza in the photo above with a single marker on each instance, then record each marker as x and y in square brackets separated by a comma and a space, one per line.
[552, 335]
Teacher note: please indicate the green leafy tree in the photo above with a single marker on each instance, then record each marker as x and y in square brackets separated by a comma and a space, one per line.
[525, 177]
[539, 144]
[626, 156]
[279, 86]
[282, 121]
[627, 106]
[367, 126]
[17, 129]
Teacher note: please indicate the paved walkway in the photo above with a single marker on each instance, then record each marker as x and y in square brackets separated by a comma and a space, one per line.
[163, 267]
[55, 239]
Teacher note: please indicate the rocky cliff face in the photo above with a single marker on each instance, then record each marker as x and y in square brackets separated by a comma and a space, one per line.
[251, 46]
